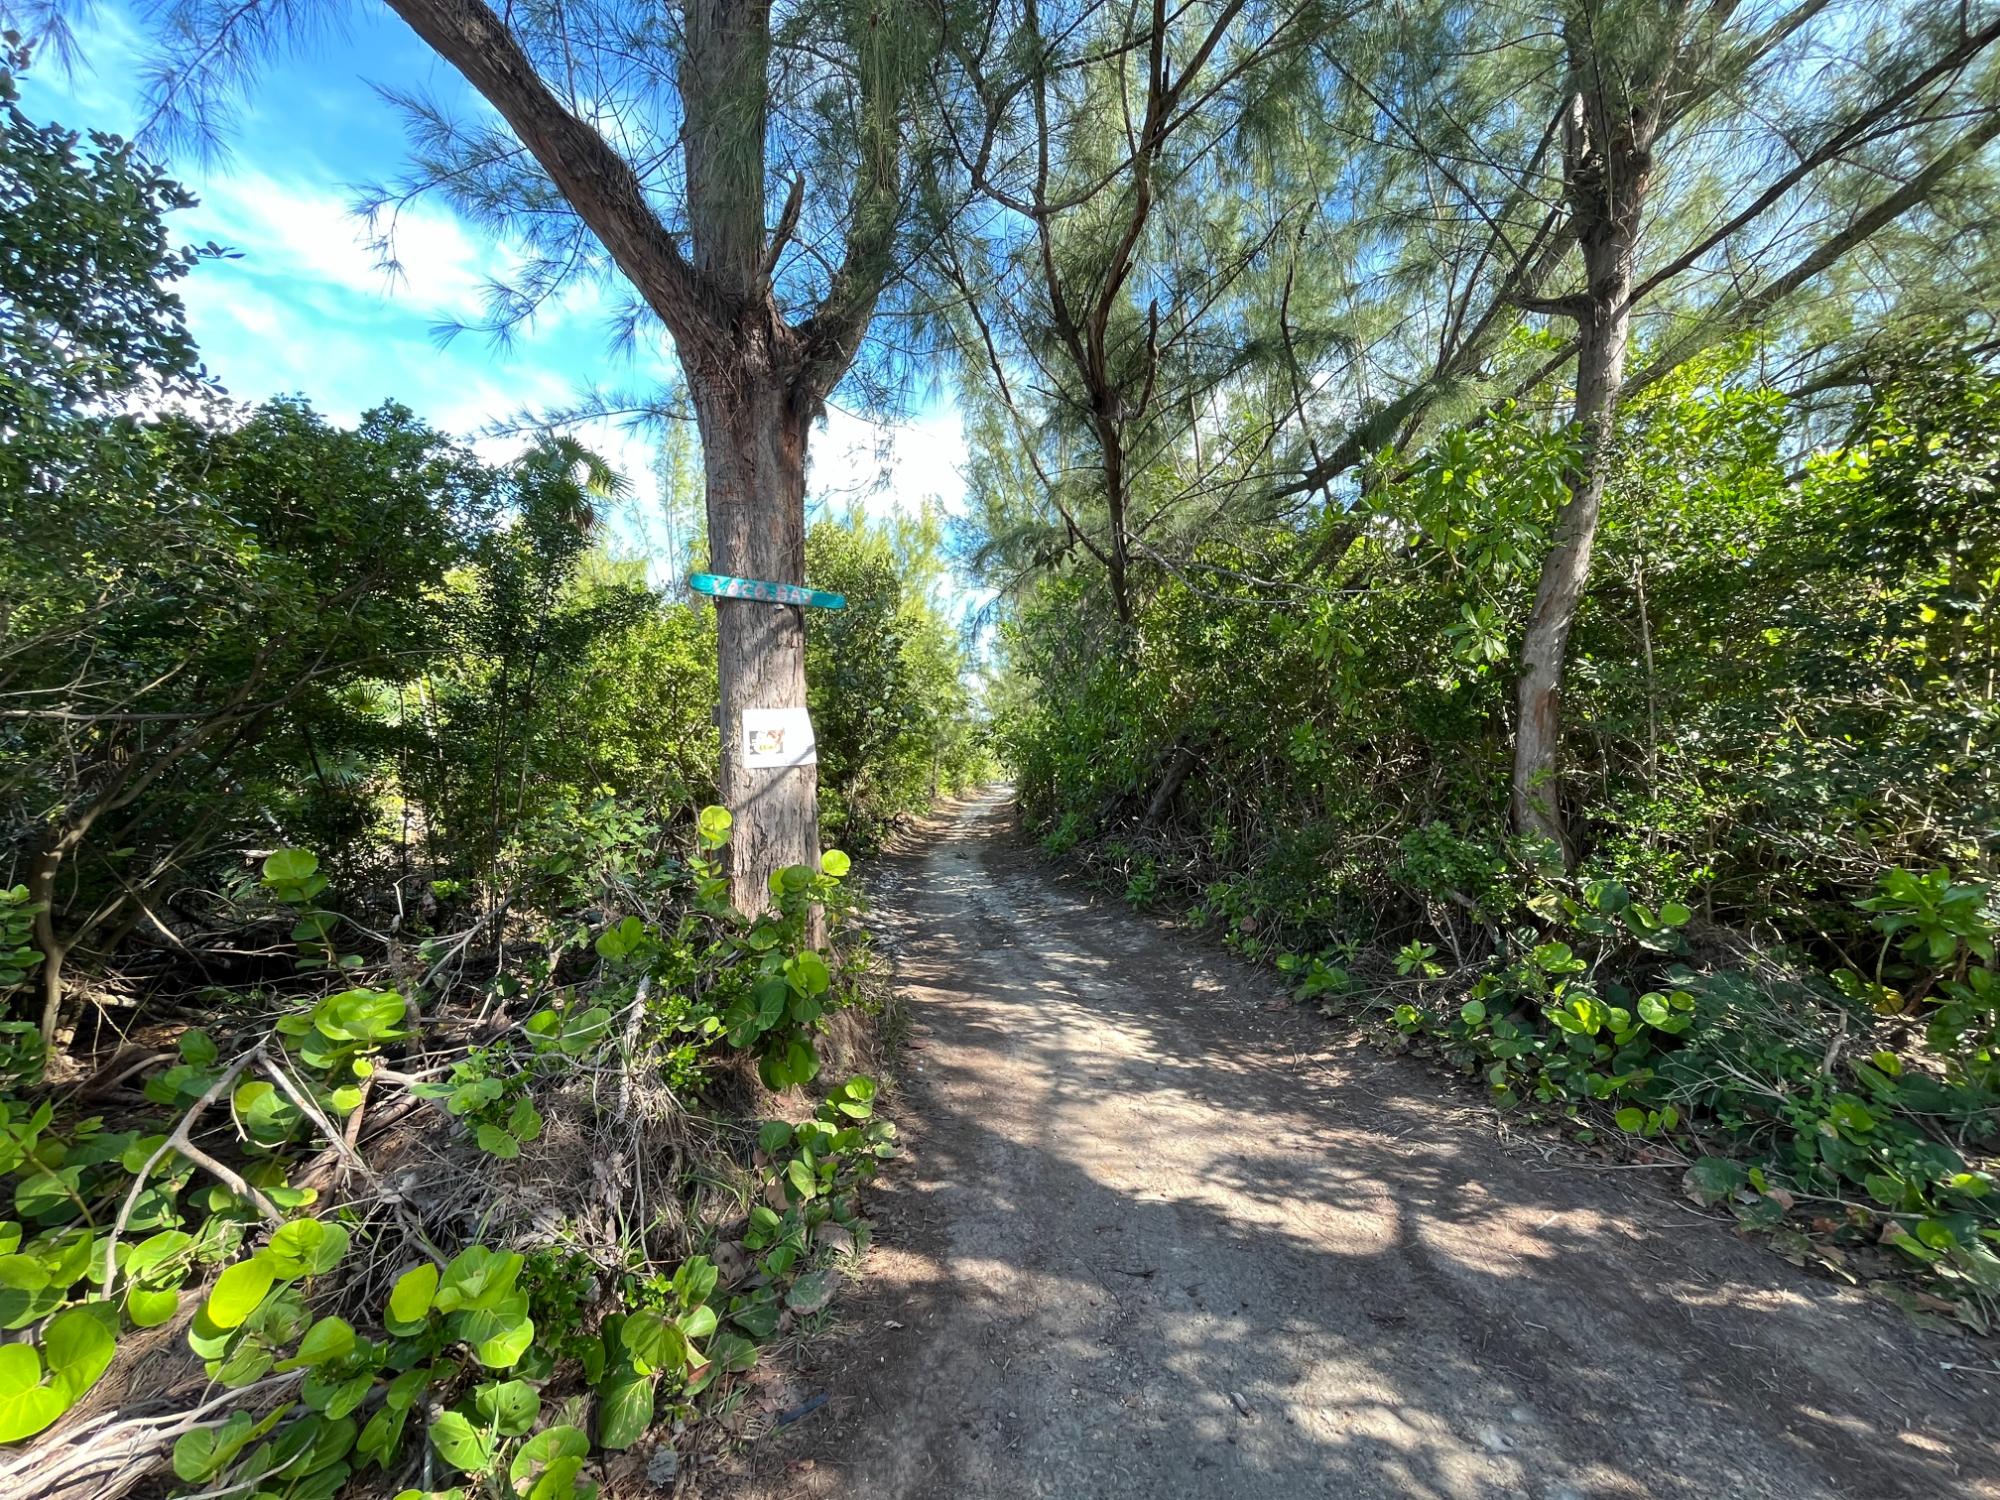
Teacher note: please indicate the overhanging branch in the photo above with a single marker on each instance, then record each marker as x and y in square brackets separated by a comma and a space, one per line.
[599, 183]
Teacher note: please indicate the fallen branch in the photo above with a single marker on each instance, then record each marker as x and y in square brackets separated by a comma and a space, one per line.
[136, 1441]
[630, 1044]
[180, 1141]
[337, 1139]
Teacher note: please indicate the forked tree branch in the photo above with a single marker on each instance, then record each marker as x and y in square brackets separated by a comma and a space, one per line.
[599, 183]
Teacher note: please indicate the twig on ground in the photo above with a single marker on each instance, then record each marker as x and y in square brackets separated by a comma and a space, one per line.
[135, 1440]
[337, 1139]
[179, 1141]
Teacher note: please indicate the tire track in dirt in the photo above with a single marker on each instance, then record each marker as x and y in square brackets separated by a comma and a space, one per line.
[1154, 1237]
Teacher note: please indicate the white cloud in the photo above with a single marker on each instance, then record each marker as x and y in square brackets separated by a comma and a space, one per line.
[897, 467]
[891, 467]
[307, 309]
[302, 232]
[109, 51]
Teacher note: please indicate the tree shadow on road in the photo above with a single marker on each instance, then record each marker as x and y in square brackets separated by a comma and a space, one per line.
[1157, 1239]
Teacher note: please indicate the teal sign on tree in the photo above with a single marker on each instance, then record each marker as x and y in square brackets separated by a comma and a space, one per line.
[723, 587]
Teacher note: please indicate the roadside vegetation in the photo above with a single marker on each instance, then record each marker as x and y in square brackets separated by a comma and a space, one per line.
[1774, 955]
[1563, 632]
[390, 1097]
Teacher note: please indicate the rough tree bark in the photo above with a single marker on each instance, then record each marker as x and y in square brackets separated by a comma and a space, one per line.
[753, 404]
[42, 892]
[756, 442]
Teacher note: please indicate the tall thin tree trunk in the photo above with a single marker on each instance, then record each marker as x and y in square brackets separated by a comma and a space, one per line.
[1118, 562]
[1565, 571]
[42, 892]
[1609, 169]
[757, 379]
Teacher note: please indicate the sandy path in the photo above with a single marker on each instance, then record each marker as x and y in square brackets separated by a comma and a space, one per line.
[1157, 1238]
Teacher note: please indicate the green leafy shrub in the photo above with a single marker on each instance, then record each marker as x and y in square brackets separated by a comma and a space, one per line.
[1778, 719]
[113, 1226]
[885, 678]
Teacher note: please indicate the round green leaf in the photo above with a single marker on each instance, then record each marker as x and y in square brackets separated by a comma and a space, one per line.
[290, 865]
[1712, 1179]
[835, 863]
[238, 1290]
[695, 1280]
[306, 1247]
[199, 1453]
[811, 1292]
[477, 1277]
[330, 1338]
[149, 1309]
[26, 1405]
[266, 1114]
[653, 1342]
[772, 1138]
[810, 973]
[360, 1015]
[78, 1345]
[461, 1444]
[559, 1482]
[410, 1299]
[801, 1178]
[546, 1447]
[624, 1409]
[498, 1340]
[1937, 1234]
[510, 1406]
[154, 1249]
[23, 1273]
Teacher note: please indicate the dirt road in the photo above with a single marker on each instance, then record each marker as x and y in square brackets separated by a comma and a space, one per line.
[1157, 1238]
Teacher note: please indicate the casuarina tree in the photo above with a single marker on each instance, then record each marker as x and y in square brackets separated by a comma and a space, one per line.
[1638, 81]
[740, 167]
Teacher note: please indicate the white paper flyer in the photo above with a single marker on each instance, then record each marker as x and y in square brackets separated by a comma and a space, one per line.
[778, 737]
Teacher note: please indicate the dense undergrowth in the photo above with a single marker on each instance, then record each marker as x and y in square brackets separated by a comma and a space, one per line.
[460, 1234]
[1773, 955]
[390, 1097]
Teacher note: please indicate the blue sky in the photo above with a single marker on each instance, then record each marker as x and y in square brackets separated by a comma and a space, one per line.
[307, 310]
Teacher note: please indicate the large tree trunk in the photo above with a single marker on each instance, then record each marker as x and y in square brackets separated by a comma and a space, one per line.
[754, 406]
[1609, 169]
[754, 445]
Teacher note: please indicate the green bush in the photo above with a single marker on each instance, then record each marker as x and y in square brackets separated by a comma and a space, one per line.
[112, 1228]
